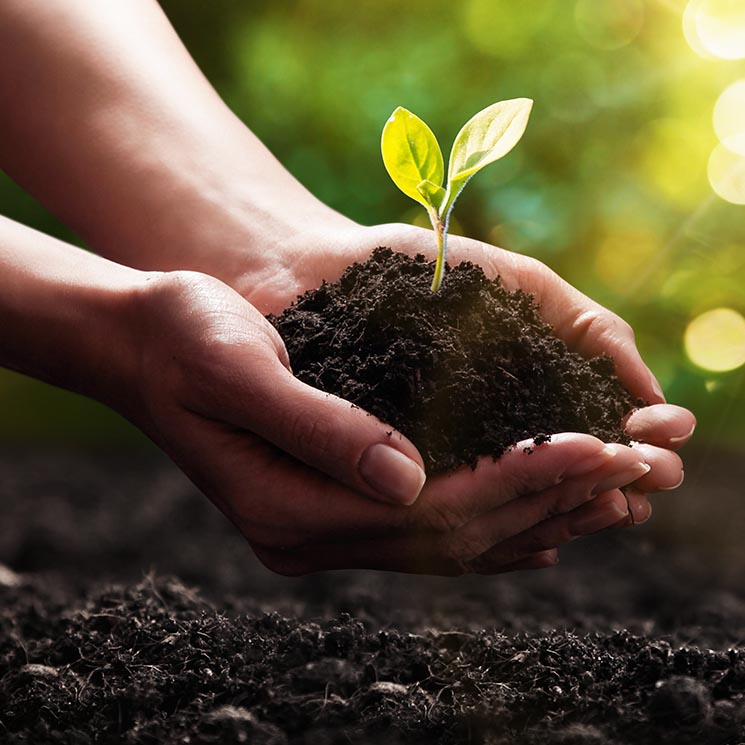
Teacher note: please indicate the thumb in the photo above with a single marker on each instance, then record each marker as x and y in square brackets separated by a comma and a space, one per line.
[329, 434]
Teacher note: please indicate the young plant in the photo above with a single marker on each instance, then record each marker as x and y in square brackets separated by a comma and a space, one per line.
[414, 161]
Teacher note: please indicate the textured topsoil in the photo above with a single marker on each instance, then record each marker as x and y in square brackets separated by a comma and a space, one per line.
[634, 638]
[463, 372]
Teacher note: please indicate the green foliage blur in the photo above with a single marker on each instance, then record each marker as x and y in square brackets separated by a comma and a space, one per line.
[608, 186]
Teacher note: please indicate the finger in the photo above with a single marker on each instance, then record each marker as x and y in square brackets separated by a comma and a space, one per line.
[640, 510]
[390, 555]
[666, 469]
[273, 498]
[592, 330]
[604, 511]
[667, 426]
[452, 552]
[541, 560]
[498, 527]
[451, 500]
[424, 554]
[321, 430]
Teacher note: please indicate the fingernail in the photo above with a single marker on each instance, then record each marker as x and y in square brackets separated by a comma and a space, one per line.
[589, 464]
[599, 520]
[617, 480]
[683, 438]
[392, 474]
[642, 517]
[547, 558]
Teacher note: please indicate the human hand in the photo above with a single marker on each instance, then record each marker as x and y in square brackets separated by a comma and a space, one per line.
[287, 463]
[587, 327]
[165, 189]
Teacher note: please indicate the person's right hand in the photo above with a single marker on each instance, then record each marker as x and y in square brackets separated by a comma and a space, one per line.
[314, 483]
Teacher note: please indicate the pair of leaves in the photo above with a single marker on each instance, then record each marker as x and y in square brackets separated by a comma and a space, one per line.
[414, 160]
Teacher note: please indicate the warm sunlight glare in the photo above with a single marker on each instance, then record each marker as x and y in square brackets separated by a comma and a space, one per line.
[729, 117]
[691, 32]
[720, 27]
[727, 174]
[715, 340]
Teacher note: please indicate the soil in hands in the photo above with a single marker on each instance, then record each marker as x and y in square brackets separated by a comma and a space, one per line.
[465, 372]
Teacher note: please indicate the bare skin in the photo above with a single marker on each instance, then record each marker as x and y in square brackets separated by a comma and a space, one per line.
[105, 97]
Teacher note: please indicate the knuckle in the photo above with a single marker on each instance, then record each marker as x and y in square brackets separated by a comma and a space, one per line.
[463, 547]
[624, 327]
[543, 540]
[439, 517]
[311, 434]
[512, 553]
[568, 500]
[492, 562]
[531, 543]
[587, 322]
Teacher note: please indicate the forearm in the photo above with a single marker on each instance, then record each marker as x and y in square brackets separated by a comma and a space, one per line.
[66, 315]
[108, 121]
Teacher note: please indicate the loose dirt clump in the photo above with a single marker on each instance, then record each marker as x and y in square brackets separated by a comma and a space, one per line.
[464, 372]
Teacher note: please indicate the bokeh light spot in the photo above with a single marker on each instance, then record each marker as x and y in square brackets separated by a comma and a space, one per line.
[715, 340]
[727, 174]
[691, 32]
[610, 24]
[729, 117]
[720, 25]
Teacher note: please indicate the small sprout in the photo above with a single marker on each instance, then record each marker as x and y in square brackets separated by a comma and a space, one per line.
[414, 160]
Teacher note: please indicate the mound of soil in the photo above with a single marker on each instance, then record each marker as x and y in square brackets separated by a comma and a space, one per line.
[465, 372]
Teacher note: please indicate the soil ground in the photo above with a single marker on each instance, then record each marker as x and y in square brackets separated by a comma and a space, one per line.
[131, 611]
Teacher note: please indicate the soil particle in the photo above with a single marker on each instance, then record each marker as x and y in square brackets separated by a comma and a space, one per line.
[680, 701]
[465, 372]
[234, 724]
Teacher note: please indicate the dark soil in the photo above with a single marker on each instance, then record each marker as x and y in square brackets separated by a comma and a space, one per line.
[635, 638]
[427, 362]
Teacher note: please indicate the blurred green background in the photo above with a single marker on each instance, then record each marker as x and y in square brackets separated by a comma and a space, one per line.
[629, 182]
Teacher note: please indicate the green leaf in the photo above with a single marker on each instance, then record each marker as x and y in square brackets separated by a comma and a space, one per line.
[432, 193]
[411, 156]
[487, 137]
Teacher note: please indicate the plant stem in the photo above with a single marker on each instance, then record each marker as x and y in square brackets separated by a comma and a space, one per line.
[441, 237]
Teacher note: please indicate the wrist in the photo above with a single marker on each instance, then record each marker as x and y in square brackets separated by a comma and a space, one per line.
[212, 200]
[113, 320]
[67, 315]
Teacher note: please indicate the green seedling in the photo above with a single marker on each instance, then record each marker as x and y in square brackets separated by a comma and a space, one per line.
[413, 159]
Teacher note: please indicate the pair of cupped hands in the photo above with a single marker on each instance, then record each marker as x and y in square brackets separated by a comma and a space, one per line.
[314, 483]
